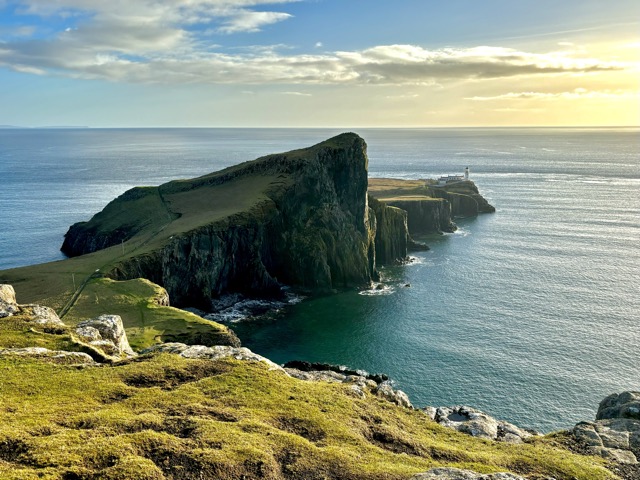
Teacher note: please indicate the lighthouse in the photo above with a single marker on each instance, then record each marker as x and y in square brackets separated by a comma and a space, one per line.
[466, 173]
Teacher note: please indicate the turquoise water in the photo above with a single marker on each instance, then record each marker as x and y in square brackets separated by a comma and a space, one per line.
[532, 313]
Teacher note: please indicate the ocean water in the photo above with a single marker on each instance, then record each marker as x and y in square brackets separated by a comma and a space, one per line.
[531, 314]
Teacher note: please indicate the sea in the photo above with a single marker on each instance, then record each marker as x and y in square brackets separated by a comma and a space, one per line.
[531, 314]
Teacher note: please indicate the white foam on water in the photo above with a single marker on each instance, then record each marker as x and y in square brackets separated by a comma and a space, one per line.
[378, 289]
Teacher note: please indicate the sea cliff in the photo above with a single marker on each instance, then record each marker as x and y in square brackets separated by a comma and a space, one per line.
[305, 221]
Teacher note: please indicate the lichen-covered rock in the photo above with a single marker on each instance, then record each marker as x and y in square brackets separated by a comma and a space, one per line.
[212, 353]
[8, 304]
[477, 424]
[7, 294]
[448, 473]
[110, 336]
[615, 434]
[623, 405]
[359, 384]
[41, 315]
[386, 391]
[316, 376]
[616, 439]
[53, 356]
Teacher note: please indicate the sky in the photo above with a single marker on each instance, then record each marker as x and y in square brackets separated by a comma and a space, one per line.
[319, 63]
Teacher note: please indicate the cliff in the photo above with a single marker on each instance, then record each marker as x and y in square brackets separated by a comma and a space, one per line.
[299, 218]
[464, 197]
[430, 208]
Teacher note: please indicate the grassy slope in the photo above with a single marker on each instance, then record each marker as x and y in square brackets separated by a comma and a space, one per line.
[180, 211]
[168, 417]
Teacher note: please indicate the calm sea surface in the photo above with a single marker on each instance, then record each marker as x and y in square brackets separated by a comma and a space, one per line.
[532, 313]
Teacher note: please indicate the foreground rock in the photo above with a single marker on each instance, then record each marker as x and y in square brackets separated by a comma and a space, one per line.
[615, 434]
[458, 474]
[477, 424]
[106, 332]
[42, 315]
[52, 356]
[8, 305]
[212, 353]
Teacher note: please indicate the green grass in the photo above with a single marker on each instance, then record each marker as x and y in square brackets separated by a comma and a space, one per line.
[145, 322]
[164, 417]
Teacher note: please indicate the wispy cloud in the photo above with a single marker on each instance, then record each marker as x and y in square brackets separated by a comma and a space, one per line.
[578, 93]
[297, 94]
[249, 21]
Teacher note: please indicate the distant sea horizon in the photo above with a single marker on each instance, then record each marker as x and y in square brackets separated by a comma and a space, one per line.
[531, 314]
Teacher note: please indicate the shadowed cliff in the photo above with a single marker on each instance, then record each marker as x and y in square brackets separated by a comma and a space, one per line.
[299, 218]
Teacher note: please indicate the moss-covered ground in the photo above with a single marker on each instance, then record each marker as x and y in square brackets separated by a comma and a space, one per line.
[169, 417]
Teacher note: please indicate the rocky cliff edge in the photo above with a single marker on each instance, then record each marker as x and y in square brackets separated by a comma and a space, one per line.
[299, 218]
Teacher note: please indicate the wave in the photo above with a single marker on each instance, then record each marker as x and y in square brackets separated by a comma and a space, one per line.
[236, 308]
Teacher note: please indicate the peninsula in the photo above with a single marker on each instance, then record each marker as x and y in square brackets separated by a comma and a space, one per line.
[100, 377]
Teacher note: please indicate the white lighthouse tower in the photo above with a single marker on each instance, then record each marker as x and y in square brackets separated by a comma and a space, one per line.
[466, 173]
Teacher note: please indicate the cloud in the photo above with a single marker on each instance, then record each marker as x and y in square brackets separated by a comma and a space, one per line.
[297, 94]
[578, 93]
[250, 21]
[147, 41]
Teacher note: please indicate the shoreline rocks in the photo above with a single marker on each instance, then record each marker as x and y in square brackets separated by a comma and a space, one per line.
[615, 434]
[477, 424]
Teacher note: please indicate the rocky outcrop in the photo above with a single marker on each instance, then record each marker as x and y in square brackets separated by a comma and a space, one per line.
[360, 381]
[311, 227]
[622, 405]
[36, 314]
[448, 473]
[477, 424]
[52, 356]
[42, 315]
[8, 305]
[106, 332]
[425, 215]
[464, 197]
[615, 434]
[211, 353]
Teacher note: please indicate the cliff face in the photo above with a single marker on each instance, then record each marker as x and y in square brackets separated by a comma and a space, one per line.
[464, 197]
[427, 215]
[301, 218]
[392, 235]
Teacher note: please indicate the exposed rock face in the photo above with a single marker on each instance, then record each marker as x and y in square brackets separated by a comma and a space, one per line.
[212, 353]
[53, 356]
[107, 333]
[360, 383]
[477, 424]
[426, 216]
[386, 391]
[616, 432]
[313, 229]
[8, 304]
[42, 315]
[447, 473]
[464, 197]
[391, 232]
[623, 405]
